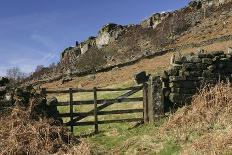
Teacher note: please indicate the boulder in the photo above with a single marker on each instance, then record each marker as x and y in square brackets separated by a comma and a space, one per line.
[141, 77]
[52, 111]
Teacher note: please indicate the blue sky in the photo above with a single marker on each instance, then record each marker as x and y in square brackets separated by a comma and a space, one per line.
[34, 32]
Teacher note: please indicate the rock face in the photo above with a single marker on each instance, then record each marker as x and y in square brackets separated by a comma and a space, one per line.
[86, 45]
[209, 3]
[70, 55]
[108, 34]
[154, 20]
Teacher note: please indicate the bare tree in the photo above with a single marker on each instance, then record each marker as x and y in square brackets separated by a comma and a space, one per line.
[15, 74]
[39, 68]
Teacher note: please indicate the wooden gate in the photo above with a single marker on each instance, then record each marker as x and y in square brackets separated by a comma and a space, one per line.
[100, 104]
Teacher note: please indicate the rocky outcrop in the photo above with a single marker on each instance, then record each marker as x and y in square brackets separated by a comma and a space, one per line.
[208, 3]
[70, 54]
[118, 44]
[86, 45]
[154, 20]
[108, 34]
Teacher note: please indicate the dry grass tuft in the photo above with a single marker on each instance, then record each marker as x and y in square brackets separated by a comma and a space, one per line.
[204, 127]
[211, 105]
[19, 134]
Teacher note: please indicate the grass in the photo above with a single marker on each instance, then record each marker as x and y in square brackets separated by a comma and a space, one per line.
[112, 136]
[170, 148]
[206, 124]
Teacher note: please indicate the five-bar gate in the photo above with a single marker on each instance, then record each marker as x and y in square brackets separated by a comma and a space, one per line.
[100, 104]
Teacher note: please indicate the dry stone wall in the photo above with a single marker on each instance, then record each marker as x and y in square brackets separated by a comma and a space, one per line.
[187, 75]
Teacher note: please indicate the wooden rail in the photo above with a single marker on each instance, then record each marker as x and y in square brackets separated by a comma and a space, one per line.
[100, 104]
[91, 90]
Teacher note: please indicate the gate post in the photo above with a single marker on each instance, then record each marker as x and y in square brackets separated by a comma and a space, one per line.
[71, 108]
[150, 100]
[95, 110]
[145, 103]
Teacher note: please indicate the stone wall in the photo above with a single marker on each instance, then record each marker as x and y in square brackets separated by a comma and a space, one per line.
[187, 74]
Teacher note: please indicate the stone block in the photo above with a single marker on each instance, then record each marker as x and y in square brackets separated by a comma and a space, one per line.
[183, 90]
[173, 72]
[201, 66]
[207, 61]
[223, 56]
[193, 59]
[184, 73]
[211, 68]
[229, 56]
[180, 98]
[195, 73]
[165, 75]
[141, 77]
[183, 84]
[229, 51]
[192, 78]
[177, 78]
[216, 58]
[217, 53]
[196, 60]
[225, 59]
[207, 73]
[205, 55]
[176, 67]
[189, 66]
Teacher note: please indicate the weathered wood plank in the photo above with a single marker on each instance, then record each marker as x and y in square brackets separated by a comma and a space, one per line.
[71, 108]
[120, 120]
[107, 122]
[106, 104]
[90, 102]
[119, 89]
[67, 91]
[91, 90]
[95, 110]
[113, 112]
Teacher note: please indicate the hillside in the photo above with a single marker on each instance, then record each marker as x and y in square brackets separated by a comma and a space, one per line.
[120, 51]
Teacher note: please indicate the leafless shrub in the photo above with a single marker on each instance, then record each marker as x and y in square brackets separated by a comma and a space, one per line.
[19, 134]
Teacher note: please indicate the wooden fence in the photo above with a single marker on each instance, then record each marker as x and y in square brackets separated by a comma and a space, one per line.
[100, 104]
